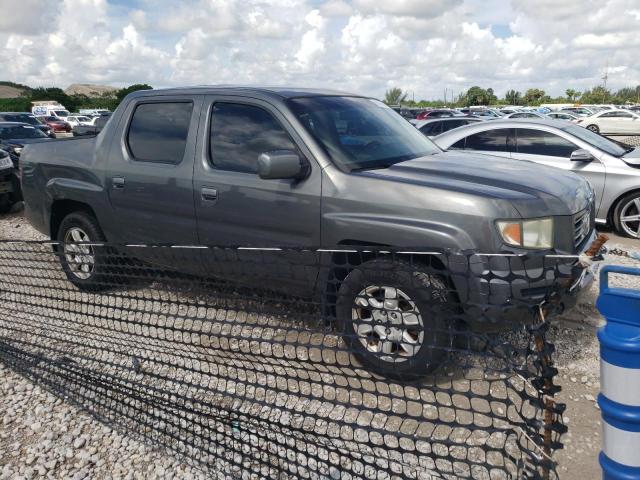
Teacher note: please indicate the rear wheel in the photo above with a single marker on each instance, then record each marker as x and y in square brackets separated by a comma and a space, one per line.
[593, 128]
[391, 317]
[626, 215]
[85, 264]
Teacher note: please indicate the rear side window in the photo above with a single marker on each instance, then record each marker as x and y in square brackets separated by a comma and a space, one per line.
[158, 131]
[433, 128]
[451, 124]
[489, 141]
[538, 142]
[241, 133]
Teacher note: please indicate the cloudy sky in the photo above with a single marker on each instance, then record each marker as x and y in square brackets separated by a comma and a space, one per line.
[364, 46]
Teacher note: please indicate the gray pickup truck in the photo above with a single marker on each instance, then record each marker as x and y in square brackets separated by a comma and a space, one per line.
[263, 167]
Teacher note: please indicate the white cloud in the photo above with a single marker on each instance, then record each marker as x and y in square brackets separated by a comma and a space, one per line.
[365, 46]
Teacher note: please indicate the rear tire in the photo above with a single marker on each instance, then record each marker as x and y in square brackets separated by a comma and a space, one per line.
[86, 266]
[626, 215]
[391, 316]
[593, 128]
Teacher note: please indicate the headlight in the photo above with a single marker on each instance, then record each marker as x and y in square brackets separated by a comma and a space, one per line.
[536, 233]
[18, 150]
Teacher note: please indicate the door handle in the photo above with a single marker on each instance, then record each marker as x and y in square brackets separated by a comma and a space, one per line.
[117, 182]
[209, 194]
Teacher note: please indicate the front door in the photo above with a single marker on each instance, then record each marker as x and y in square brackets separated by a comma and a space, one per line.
[237, 208]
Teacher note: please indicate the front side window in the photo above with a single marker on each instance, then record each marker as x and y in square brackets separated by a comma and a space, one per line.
[360, 133]
[241, 133]
[538, 142]
[158, 131]
[489, 140]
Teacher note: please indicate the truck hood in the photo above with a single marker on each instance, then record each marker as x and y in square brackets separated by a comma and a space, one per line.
[534, 190]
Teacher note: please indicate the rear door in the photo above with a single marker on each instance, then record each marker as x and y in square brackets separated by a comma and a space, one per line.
[150, 171]
[553, 150]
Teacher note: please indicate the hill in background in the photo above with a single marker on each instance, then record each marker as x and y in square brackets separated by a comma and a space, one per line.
[90, 90]
[12, 90]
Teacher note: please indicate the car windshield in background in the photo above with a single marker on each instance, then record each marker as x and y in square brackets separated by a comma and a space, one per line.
[61, 113]
[598, 141]
[360, 133]
[20, 131]
[30, 119]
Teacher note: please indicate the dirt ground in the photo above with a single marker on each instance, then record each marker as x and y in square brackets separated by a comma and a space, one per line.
[577, 360]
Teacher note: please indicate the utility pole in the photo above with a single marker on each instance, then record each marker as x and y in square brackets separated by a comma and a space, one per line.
[604, 85]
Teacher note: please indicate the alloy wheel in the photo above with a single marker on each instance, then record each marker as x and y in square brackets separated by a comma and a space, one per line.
[630, 217]
[80, 258]
[388, 323]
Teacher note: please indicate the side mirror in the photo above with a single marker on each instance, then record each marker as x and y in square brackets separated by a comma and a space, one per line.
[281, 164]
[581, 155]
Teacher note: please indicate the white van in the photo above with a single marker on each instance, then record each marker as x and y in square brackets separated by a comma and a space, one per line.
[49, 109]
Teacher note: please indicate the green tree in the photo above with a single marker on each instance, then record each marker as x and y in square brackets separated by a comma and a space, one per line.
[395, 96]
[512, 97]
[477, 96]
[123, 92]
[572, 94]
[596, 95]
[533, 96]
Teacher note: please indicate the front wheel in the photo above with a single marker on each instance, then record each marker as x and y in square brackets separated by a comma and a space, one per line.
[593, 128]
[626, 215]
[85, 264]
[391, 316]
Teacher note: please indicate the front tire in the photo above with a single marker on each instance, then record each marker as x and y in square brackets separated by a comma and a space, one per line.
[626, 216]
[391, 316]
[86, 266]
[593, 128]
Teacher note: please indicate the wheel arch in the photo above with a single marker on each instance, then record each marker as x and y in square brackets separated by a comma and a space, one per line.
[63, 207]
[617, 201]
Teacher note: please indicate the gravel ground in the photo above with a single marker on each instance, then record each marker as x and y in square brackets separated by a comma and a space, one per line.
[42, 436]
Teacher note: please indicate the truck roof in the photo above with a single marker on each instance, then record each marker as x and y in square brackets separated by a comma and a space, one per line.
[282, 92]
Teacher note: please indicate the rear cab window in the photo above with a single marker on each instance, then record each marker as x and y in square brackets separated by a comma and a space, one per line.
[158, 131]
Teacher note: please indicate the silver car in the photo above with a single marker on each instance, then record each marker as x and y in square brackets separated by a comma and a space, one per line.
[612, 168]
[435, 126]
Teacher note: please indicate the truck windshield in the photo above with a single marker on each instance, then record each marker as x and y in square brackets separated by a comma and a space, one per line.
[360, 133]
[20, 131]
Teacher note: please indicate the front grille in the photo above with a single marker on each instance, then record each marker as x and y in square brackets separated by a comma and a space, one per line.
[581, 227]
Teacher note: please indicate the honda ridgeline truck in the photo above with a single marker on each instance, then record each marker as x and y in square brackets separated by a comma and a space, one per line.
[264, 167]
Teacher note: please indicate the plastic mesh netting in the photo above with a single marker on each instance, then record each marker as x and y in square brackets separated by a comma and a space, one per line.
[297, 363]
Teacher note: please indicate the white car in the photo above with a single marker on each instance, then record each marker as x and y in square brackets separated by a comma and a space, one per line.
[75, 120]
[612, 122]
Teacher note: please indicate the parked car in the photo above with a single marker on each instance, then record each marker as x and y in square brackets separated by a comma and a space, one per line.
[93, 127]
[563, 116]
[529, 114]
[580, 111]
[75, 120]
[612, 122]
[612, 170]
[9, 183]
[436, 113]
[57, 125]
[269, 167]
[25, 117]
[436, 126]
[13, 137]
